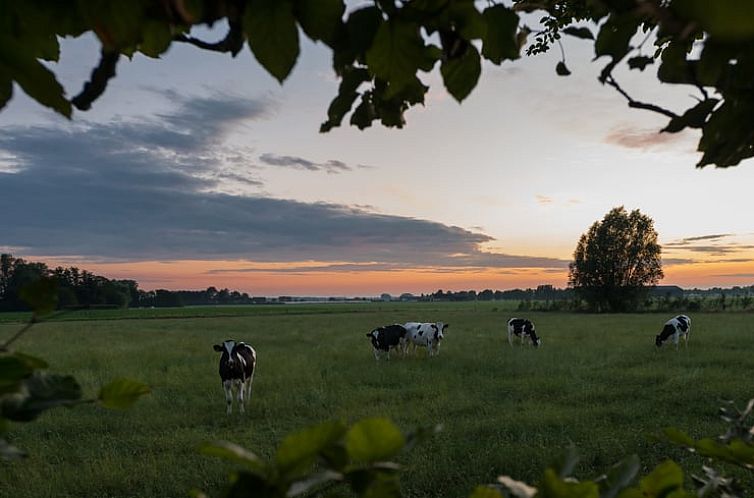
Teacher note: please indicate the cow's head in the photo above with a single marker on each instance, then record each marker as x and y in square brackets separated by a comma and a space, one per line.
[374, 335]
[226, 349]
[658, 340]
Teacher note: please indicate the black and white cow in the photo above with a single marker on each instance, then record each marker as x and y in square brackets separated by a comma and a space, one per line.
[387, 338]
[675, 328]
[237, 365]
[520, 327]
[425, 334]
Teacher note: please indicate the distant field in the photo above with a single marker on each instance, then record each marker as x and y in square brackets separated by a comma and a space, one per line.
[597, 382]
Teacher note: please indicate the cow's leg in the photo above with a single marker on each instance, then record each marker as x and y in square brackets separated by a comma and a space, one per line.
[241, 389]
[510, 338]
[248, 388]
[376, 354]
[676, 338]
[228, 388]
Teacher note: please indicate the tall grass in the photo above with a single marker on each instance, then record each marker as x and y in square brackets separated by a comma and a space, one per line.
[597, 382]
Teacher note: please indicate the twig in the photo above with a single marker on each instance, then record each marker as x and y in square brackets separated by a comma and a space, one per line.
[232, 43]
[610, 80]
[97, 84]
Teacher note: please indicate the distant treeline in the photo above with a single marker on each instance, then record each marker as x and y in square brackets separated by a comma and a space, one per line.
[81, 288]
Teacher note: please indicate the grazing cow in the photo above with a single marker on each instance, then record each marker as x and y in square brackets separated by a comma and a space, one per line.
[675, 327]
[237, 364]
[425, 334]
[387, 338]
[522, 328]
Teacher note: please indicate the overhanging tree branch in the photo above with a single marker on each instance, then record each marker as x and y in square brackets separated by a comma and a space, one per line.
[610, 80]
[97, 84]
[232, 43]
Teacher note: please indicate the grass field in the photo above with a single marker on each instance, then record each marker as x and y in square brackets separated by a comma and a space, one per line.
[597, 382]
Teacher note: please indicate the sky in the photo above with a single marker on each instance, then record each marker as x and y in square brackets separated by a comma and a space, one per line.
[198, 169]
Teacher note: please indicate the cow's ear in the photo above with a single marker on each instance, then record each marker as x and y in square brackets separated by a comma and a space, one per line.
[445, 325]
[369, 334]
[217, 348]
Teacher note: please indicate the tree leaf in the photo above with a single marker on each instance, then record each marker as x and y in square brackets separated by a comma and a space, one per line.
[373, 439]
[461, 75]
[273, 36]
[156, 39]
[619, 477]
[352, 78]
[561, 69]
[297, 453]
[731, 20]
[40, 392]
[41, 295]
[640, 62]
[584, 33]
[13, 371]
[312, 481]
[121, 393]
[398, 52]
[554, 487]
[695, 117]
[234, 453]
[500, 41]
[6, 90]
[665, 478]
[320, 19]
[518, 489]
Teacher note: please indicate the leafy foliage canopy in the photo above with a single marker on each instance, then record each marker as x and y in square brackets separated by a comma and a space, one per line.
[381, 50]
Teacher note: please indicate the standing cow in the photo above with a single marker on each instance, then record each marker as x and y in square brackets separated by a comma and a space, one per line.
[520, 327]
[675, 328]
[387, 338]
[426, 334]
[237, 364]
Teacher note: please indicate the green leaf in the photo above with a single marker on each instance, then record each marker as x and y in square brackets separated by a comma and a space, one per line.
[565, 464]
[342, 103]
[695, 117]
[362, 27]
[640, 62]
[665, 478]
[584, 33]
[320, 19]
[674, 68]
[461, 75]
[518, 489]
[297, 453]
[236, 454]
[41, 392]
[364, 113]
[313, 481]
[121, 393]
[469, 22]
[485, 492]
[13, 371]
[156, 40]
[730, 20]
[615, 35]
[273, 36]
[619, 477]
[561, 69]
[398, 52]
[373, 439]
[41, 295]
[554, 487]
[500, 41]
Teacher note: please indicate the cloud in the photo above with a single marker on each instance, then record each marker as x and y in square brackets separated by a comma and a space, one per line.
[635, 138]
[543, 199]
[150, 190]
[736, 275]
[712, 245]
[332, 166]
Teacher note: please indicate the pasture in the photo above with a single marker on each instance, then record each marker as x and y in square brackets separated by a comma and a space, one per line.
[596, 382]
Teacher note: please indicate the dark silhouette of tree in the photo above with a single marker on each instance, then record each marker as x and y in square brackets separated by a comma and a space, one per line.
[616, 261]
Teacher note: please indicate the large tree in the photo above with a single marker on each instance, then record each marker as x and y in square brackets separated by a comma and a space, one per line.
[380, 50]
[616, 261]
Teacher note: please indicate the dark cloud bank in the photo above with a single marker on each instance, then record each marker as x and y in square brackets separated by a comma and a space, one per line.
[145, 190]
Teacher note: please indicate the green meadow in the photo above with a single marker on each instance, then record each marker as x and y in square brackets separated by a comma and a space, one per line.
[597, 382]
